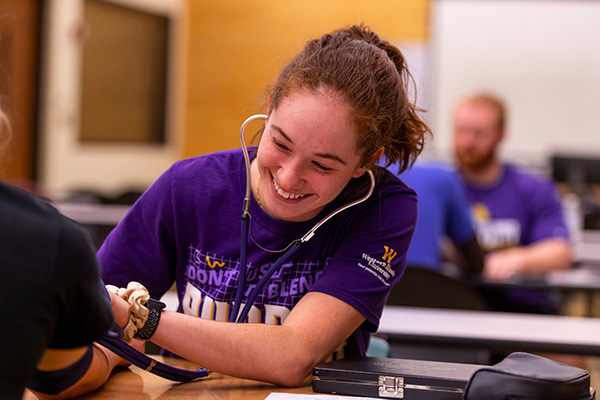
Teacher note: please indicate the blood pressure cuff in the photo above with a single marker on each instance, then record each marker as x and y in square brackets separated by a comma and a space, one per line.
[54, 382]
[530, 377]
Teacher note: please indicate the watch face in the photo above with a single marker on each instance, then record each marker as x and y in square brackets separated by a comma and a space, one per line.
[155, 304]
[154, 310]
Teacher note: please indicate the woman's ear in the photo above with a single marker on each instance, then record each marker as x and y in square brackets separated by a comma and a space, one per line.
[373, 158]
[376, 156]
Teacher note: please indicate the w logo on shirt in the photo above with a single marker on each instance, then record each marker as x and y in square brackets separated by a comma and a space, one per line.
[389, 254]
[214, 264]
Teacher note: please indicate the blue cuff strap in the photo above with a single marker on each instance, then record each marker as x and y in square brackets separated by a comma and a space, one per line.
[54, 382]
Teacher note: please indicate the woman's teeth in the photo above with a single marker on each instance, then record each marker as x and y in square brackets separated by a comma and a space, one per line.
[284, 194]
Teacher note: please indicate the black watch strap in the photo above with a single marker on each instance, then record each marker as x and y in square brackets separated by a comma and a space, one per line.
[155, 308]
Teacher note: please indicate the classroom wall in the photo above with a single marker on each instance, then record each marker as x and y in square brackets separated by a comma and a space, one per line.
[540, 56]
[232, 51]
[235, 49]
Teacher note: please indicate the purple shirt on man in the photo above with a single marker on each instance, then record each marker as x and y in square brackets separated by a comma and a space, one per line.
[517, 210]
[186, 229]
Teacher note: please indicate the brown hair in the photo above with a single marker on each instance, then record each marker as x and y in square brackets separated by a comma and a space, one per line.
[372, 76]
[492, 101]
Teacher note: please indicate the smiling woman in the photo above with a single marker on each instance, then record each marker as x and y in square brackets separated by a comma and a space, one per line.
[334, 110]
[306, 156]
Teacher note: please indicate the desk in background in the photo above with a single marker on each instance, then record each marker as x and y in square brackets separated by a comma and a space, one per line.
[491, 330]
[92, 213]
[587, 249]
[583, 279]
[98, 219]
[135, 384]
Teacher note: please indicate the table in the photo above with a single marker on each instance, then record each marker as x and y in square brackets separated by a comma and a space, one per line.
[491, 330]
[583, 279]
[135, 384]
[586, 249]
[92, 213]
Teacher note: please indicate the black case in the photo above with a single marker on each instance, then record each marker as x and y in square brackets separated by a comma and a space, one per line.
[393, 378]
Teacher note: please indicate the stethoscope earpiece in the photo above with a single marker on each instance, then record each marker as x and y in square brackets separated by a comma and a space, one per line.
[246, 205]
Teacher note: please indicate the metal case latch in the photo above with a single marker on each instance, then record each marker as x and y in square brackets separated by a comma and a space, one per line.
[391, 387]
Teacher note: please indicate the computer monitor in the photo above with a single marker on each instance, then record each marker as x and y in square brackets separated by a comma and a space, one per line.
[580, 173]
[576, 170]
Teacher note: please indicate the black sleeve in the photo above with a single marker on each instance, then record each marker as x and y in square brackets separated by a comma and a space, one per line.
[84, 309]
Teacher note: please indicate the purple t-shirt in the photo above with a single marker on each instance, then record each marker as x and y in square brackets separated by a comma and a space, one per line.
[186, 229]
[518, 210]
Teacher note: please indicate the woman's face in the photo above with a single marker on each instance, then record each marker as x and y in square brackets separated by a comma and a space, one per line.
[307, 155]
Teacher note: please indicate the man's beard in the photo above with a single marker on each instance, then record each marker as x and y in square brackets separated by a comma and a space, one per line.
[474, 163]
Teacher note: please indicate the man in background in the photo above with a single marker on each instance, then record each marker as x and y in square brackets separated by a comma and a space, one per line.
[517, 215]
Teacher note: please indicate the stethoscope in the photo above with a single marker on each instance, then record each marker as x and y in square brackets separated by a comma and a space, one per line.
[290, 249]
[112, 340]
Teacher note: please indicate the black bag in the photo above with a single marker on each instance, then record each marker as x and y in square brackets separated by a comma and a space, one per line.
[393, 378]
[530, 377]
[520, 376]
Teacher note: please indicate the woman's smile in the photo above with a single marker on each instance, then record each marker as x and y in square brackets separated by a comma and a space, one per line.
[286, 195]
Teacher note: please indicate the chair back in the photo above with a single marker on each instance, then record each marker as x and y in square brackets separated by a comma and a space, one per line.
[422, 287]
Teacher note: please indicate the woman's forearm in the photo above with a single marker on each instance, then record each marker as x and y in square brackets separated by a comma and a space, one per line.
[282, 354]
[254, 351]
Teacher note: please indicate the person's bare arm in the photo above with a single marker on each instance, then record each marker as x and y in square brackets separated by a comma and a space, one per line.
[103, 362]
[283, 355]
[543, 256]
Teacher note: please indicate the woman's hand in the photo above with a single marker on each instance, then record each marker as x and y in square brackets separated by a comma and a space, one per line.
[120, 309]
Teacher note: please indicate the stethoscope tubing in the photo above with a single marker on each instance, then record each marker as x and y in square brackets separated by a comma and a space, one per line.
[130, 354]
[245, 225]
[235, 307]
[265, 279]
[112, 341]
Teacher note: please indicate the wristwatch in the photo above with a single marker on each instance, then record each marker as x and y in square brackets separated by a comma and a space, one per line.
[155, 308]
